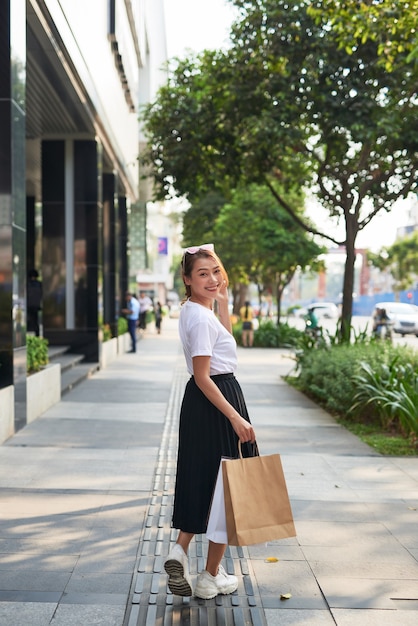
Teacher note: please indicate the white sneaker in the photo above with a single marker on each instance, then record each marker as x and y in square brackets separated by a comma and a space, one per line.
[177, 568]
[209, 586]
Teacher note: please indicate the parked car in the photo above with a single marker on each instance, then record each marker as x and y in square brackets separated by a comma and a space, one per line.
[329, 310]
[403, 316]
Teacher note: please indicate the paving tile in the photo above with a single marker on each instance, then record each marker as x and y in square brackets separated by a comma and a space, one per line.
[281, 550]
[34, 580]
[118, 562]
[296, 578]
[29, 504]
[359, 554]
[20, 613]
[304, 510]
[35, 561]
[373, 617]
[92, 433]
[339, 533]
[300, 617]
[99, 582]
[365, 569]
[93, 598]
[88, 614]
[365, 593]
[150, 412]
[414, 553]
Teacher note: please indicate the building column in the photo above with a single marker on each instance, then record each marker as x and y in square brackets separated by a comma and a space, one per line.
[123, 249]
[88, 242]
[111, 305]
[12, 215]
[72, 244]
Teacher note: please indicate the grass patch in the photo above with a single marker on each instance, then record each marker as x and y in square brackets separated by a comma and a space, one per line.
[383, 442]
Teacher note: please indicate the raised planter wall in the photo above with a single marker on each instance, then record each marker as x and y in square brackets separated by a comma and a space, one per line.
[43, 390]
[7, 413]
[108, 352]
[124, 343]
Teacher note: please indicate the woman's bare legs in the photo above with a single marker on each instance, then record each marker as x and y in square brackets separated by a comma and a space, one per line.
[184, 540]
[215, 551]
[215, 554]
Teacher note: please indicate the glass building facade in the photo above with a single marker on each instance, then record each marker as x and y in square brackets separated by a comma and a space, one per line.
[72, 77]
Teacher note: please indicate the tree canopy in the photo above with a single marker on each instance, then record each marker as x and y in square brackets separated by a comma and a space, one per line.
[261, 243]
[401, 259]
[357, 22]
[256, 238]
[288, 105]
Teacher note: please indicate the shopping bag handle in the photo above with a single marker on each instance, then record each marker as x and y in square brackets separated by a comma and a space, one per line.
[255, 449]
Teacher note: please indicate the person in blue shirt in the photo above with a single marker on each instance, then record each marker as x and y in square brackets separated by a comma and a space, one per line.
[132, 314]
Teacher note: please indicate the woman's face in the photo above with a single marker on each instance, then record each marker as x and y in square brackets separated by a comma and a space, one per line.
[205, 280]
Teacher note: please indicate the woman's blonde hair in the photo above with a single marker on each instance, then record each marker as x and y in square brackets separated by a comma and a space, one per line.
[188, 262]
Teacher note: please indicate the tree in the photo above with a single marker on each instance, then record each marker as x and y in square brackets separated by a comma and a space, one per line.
[199, 219]
[287, 105]
[259, 240]
[357, 22]
[401, 259]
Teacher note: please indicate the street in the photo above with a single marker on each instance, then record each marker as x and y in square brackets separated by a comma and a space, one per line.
[359, 323]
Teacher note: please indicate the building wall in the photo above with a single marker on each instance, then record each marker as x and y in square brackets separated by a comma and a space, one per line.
[93, 51]
[69, 166]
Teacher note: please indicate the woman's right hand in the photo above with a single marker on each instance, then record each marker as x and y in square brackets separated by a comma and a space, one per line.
[243, 429]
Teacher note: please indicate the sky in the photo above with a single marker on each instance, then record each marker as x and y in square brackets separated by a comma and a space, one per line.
[193, 25]
[196, 25]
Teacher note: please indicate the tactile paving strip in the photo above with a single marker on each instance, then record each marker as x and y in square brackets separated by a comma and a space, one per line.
[151, 601]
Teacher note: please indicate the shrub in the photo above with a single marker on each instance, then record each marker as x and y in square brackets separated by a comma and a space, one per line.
[36, 353]
[122, 326]
[390, 390]
[271, 335]
[107, 332]
[338, 376]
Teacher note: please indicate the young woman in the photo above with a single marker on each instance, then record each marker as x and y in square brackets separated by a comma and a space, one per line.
[213, 418]
[247, 315]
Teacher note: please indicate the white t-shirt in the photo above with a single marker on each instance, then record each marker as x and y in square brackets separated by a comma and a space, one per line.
[202, 334]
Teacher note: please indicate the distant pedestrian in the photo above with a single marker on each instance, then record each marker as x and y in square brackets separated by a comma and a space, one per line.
[132, 313]
[34, 301]
[145, 305]
[158, 312]
[246, 314]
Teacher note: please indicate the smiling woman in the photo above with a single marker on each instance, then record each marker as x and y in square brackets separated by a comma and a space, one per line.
[213, 418]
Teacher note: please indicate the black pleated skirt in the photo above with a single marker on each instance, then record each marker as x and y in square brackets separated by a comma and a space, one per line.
[205, 436]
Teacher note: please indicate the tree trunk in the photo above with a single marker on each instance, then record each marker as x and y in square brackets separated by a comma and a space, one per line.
[240, 295]
[348, 284]
[279, 293]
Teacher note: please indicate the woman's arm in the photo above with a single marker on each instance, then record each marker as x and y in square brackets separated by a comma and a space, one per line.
[223, 308]
[201, 372]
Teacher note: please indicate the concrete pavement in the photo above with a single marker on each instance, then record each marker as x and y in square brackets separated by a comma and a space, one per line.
[86, 495]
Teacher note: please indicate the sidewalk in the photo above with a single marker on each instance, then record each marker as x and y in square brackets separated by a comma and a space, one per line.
[86, 495]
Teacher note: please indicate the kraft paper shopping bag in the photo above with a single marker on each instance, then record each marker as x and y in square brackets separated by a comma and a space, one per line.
[257, 503]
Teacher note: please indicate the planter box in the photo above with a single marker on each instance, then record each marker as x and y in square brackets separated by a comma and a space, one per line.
[108, 352]
[124, 343]
[43, 390]
[7, 413]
